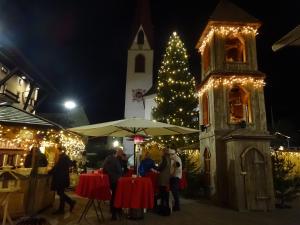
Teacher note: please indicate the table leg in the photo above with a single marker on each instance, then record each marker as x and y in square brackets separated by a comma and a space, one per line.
[86, 209]
[95, 207]
[100, 209]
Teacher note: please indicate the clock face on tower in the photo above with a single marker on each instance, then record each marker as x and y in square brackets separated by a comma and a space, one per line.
[137, 94]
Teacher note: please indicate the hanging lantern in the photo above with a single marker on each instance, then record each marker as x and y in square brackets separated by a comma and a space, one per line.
[138, 139]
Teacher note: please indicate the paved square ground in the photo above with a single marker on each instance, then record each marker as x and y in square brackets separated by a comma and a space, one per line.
[193, 212]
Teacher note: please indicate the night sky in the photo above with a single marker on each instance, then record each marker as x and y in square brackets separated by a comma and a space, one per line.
[81, 47]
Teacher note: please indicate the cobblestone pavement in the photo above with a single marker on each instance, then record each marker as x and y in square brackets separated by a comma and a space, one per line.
[192, 212]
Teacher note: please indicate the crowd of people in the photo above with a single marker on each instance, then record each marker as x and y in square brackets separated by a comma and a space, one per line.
[169, 172]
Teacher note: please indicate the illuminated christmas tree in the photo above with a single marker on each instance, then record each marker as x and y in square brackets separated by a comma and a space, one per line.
[176, 99]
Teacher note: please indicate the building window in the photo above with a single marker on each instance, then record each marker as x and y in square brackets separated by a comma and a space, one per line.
[239, 105]
[235, 50]
[140, 38]
[139, 64]
[205, 109]
[206, 58]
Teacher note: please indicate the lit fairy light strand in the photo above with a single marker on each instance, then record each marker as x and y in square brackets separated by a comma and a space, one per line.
[24, 137]
[215, 82]
[224, 31]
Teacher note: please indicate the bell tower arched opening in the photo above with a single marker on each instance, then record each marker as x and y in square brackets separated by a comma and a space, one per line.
[239, 105]
[235, 50]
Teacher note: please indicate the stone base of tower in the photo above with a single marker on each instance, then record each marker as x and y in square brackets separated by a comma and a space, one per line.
[248, 172]
[241, 172]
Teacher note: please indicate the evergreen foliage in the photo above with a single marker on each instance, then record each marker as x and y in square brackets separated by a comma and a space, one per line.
[176, 99]
[286, 186]
[193, 189]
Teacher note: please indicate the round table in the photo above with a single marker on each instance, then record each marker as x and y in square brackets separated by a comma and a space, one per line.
[95, 187]
[134, 193]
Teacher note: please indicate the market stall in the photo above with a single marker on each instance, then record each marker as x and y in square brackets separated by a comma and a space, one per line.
[19, 131]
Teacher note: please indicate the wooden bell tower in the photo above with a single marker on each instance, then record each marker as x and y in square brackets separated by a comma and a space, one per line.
[234, 141]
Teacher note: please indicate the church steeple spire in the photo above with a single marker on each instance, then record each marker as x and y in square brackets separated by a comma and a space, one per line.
[142, 19]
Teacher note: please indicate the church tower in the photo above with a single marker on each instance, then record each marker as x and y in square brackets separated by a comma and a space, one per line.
[234, 141]
[139, 77]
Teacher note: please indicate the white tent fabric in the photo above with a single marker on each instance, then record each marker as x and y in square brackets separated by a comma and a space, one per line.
[132, 126]
[290, 39]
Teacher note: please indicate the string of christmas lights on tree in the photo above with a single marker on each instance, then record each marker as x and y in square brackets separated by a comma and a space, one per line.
[176, 99]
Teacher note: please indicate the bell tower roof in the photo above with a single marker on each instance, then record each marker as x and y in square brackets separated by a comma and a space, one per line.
[228, 12]
[142, 19]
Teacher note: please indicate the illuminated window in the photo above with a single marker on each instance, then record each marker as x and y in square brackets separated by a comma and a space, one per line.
[140, 38]
[235, 50]
[139, 64]
[239, 105]
[205, 109]
[206, 58]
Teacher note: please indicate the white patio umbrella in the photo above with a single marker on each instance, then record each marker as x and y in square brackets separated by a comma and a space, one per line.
[132, 127]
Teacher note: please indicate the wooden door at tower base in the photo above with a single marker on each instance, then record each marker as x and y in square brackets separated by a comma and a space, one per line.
[255, 187]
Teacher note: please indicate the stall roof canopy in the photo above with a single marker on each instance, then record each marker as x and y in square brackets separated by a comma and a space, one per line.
[11, 114]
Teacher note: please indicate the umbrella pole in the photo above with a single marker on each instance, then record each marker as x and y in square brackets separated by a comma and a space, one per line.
[134, 158]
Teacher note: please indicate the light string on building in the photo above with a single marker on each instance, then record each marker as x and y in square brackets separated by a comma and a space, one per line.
[215, 82]
[224, 31]
[23, 138]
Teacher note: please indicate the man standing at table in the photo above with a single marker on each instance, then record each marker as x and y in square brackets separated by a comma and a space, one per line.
[176, 175]
[61, 180]
[112, 167]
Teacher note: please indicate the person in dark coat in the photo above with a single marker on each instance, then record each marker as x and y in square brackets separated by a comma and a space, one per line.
[40, 158]
[61, 180]
[113, 168]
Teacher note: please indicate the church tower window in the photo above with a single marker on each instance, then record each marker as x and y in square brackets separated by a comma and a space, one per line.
[239, 105]
[235, 50]
[139, 63]
[140, 38]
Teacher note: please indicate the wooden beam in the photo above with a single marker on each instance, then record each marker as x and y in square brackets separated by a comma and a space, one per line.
[32, 86]
[8, 76]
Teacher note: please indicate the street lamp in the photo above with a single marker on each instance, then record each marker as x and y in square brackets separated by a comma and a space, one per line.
[70, 104]
[286, 137]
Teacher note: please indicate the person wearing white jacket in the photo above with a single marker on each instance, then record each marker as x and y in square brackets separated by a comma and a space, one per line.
[175, 176]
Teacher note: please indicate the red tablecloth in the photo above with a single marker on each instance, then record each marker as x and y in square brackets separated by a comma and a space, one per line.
[135, 193]
[94, 186]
